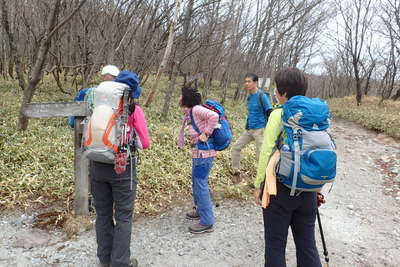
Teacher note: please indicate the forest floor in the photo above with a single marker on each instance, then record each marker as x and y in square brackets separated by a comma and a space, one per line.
[360, 219]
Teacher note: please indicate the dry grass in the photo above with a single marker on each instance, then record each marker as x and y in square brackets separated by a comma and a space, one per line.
[382, 118]
[36, 166]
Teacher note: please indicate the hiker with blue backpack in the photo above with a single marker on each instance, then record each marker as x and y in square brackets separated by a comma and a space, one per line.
[307, 161]
[108, 73]
[258, 110]
[114, 130]
[209, 132]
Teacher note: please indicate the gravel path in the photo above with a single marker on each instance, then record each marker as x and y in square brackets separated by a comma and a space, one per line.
[361, 222]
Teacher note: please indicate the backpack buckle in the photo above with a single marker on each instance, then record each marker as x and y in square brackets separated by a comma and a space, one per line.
[297, 134]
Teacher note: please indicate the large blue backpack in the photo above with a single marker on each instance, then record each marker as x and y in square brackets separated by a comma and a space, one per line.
[222, 135]
[132, 80]
[308, 156]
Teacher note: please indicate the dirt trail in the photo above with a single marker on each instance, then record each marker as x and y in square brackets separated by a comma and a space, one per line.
[361, 221]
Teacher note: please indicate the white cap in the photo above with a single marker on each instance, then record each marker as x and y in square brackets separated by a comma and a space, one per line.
[110, 69]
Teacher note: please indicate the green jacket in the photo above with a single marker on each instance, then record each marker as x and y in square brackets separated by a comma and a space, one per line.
[271, 135]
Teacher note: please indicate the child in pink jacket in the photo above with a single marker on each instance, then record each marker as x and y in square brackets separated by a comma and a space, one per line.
[206, 120]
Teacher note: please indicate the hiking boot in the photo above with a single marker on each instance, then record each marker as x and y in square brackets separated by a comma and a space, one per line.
[200, 228]
[134, 263]
[251, 185]
[193, 215]
[90, 203]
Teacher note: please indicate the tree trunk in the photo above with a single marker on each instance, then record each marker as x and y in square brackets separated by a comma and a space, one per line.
[237, 93]
[180, 50]
[14, 57]
[38, 67]
[224, 83]
[358, 84]
[396, 95]
[40, 59]
[11, 68]
[169, 93]
[167, 53]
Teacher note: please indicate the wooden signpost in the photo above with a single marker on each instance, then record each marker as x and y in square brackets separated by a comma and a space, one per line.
[265, 85]
[81, 164]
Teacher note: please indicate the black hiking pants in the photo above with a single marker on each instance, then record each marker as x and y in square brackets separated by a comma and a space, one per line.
[113, 198]
[298, 212]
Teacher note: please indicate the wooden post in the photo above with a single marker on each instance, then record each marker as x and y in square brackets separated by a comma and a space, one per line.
[81, 173]
[81, 164]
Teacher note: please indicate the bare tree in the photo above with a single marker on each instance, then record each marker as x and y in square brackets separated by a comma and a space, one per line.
[181, 48]
[38, 63]
[390, 18]
[220, 39]
[161, 68]
[357, 17]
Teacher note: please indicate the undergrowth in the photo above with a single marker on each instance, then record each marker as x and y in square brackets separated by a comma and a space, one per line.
[382, 117]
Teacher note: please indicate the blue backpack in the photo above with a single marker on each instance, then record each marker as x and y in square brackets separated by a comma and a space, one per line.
[222, 135]
[80, 96]
[132, 80]
[308, 157]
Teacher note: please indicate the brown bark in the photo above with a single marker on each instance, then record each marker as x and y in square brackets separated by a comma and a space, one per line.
[40, 59]
[180, 57]
[167, 53]
[14, 56]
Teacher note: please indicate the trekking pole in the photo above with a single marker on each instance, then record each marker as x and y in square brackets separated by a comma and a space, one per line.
[323, 239]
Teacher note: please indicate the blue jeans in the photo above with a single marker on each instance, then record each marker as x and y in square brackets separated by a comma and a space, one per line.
[201, 168]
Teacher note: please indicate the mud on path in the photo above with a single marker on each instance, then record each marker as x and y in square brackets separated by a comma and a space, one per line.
[361, 221]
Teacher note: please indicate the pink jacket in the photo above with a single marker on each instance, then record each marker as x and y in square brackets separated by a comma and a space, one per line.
[206, 120]
[137, 121]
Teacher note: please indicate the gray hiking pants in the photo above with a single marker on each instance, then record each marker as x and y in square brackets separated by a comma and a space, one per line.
[245, 138]
[113, 198]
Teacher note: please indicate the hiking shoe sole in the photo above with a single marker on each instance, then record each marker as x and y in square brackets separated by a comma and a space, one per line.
[206, 230]
[134, 263]
[192, 218]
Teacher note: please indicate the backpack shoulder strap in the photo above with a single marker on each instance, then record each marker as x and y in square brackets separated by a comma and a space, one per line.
[212, 109]
[267, 112]
[193, 122]
[280, 140]
[260, 102]
[125, 105]
[89, 98]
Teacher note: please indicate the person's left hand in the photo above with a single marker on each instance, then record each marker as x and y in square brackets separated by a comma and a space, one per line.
[320, 199]
[203, 137]
[257, 194]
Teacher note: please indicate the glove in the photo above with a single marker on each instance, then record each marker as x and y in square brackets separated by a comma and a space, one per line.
[320, 199]
[132, 107]
[121, 160]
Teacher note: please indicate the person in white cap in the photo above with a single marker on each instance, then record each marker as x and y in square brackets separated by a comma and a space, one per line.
[109, 73]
